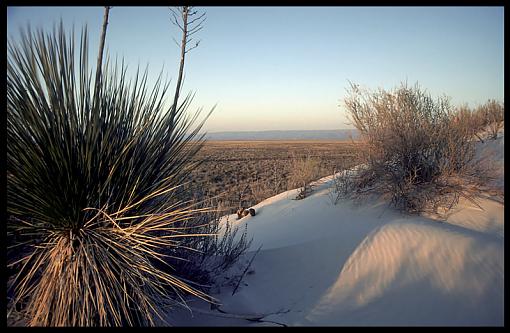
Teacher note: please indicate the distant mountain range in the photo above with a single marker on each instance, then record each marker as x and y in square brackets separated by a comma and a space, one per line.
[339, 134]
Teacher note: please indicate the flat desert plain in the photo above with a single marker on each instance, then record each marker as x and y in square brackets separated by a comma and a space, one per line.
[243, 173]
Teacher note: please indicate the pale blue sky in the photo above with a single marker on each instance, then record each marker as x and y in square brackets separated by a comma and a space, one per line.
[288, 67]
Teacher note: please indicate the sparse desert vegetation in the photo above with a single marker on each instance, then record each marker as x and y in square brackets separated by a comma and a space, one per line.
[244, 173]
[493, 115]
[420, 152]
[121, 213]
[482, 122]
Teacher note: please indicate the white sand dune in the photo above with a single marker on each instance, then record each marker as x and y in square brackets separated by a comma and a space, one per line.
[367, 265]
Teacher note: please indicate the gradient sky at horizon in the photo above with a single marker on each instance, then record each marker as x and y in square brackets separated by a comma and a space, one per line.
[279, 68]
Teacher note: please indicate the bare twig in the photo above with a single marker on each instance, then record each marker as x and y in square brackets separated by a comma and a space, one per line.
[246, 269]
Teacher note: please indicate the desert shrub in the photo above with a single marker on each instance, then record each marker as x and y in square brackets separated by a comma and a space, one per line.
[93, 192]
[415, 153]
[493, 114]
[470, 122]
[303, 170]
[483, 122]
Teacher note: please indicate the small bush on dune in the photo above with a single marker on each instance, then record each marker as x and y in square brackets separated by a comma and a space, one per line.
[303, 170]
[470, 122]
[93, 188]
[483, 122]
[493, 114]
[416, 154]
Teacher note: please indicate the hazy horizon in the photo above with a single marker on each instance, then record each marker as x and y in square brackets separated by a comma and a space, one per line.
[288, 68]
[289, 130]
[308, 134]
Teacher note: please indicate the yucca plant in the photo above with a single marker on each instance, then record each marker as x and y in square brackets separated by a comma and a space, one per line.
[93, 186]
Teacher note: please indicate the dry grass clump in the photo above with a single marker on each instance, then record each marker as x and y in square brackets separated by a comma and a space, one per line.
[416, 154]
